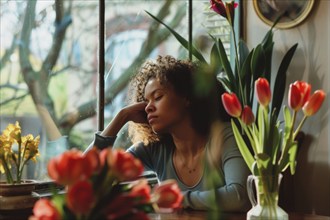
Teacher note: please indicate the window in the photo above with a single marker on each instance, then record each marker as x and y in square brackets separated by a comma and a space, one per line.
[49, 62]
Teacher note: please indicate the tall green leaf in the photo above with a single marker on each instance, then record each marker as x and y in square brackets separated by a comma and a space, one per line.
[268, 51]
[215, 59]
[226, 65]
[242, 146]
[181, 39]
[258, 62]
[280, 81]
[247, 78]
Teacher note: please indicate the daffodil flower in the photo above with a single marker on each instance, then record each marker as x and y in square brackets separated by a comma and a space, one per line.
[27, 149]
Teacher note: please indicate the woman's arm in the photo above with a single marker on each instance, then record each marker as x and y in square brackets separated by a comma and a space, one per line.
[135, 112]
[232, 173]
[232, 197]
[107, 137]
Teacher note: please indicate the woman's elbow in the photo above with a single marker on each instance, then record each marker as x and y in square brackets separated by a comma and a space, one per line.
[239, 201]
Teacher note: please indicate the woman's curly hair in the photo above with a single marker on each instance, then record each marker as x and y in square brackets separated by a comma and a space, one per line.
[184, 77]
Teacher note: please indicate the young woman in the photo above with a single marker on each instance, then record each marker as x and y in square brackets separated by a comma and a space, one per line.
[179, 130]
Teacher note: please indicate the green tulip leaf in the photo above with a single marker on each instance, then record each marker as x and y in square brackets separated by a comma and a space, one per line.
[258, 62]
[243, 50]
[292, 158]
[275, 141]
[246, 76]
[264, 161]
[242, 146]
[280, 81]
[226, 64]
[288, 122]
[268, 39]
[284, 163]
[261, 127]
[255, 169]
[181, 39]
[225, 83]
[215, 58]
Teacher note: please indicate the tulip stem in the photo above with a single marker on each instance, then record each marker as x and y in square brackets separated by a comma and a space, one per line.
[248, 131]
[299, 126]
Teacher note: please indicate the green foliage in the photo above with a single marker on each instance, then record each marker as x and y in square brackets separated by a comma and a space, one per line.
[249, 66]
[273, 151]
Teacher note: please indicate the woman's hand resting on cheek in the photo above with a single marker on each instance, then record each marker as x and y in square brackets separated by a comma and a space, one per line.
[136, 112]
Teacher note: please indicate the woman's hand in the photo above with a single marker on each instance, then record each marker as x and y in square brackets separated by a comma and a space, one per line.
[134, 112]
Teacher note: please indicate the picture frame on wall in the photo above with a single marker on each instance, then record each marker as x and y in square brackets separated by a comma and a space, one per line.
[293, 11]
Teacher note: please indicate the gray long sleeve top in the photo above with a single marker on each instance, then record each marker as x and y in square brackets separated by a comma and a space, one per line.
[222, 186]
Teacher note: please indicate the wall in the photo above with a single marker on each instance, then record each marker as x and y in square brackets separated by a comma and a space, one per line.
[311, 183]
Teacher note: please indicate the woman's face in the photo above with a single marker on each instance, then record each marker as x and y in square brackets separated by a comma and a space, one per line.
[165, 108]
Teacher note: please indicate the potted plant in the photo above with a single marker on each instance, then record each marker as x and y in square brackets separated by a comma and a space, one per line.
[15, 153]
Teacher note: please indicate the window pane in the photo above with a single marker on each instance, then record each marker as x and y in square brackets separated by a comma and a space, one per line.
[49, 63]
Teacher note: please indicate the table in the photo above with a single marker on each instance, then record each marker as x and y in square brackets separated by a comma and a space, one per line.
[200, 215]
[183, 215]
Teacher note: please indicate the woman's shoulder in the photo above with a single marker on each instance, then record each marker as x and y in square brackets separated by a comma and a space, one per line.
[151, 148]
[224, 130]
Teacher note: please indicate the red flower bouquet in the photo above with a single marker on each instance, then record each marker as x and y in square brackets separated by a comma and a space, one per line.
[103, 185]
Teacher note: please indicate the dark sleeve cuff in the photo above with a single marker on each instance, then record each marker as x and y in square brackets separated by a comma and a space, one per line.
[102, 142]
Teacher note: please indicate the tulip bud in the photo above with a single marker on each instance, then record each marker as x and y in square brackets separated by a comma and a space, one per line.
[314, 103]
[299, 93]
[230, 11]
[247, 115]
[226, 10]
[123, 165]
[231, 104]
[45, 209]
[167, 194]
[67, 168]
[219, 7]
[80, 197]
[141, 191]
[263, 91]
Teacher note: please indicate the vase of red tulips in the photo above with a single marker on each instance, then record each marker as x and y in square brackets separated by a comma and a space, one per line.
[103, 185]
[273, 144]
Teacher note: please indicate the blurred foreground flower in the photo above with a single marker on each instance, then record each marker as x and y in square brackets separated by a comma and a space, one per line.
[103, 185]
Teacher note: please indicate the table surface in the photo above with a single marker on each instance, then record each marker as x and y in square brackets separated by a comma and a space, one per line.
[199, 215]
[181, 215]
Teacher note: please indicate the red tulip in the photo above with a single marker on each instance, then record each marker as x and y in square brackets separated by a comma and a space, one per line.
[124, 165]
[226, 10]
[247, 115]
[263, 91]
[68, 167]
[232, 105]
[44, 209]
[314, 103]
[167, 195]
[92, 161]
[80, 197]
[141, 191]
[299, 93]
[103, 156]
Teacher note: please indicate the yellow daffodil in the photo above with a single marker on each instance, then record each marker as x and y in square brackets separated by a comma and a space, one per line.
[27, 149]
[30, 147]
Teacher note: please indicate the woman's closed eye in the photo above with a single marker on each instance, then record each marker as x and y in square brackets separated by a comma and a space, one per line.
[157, 98]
